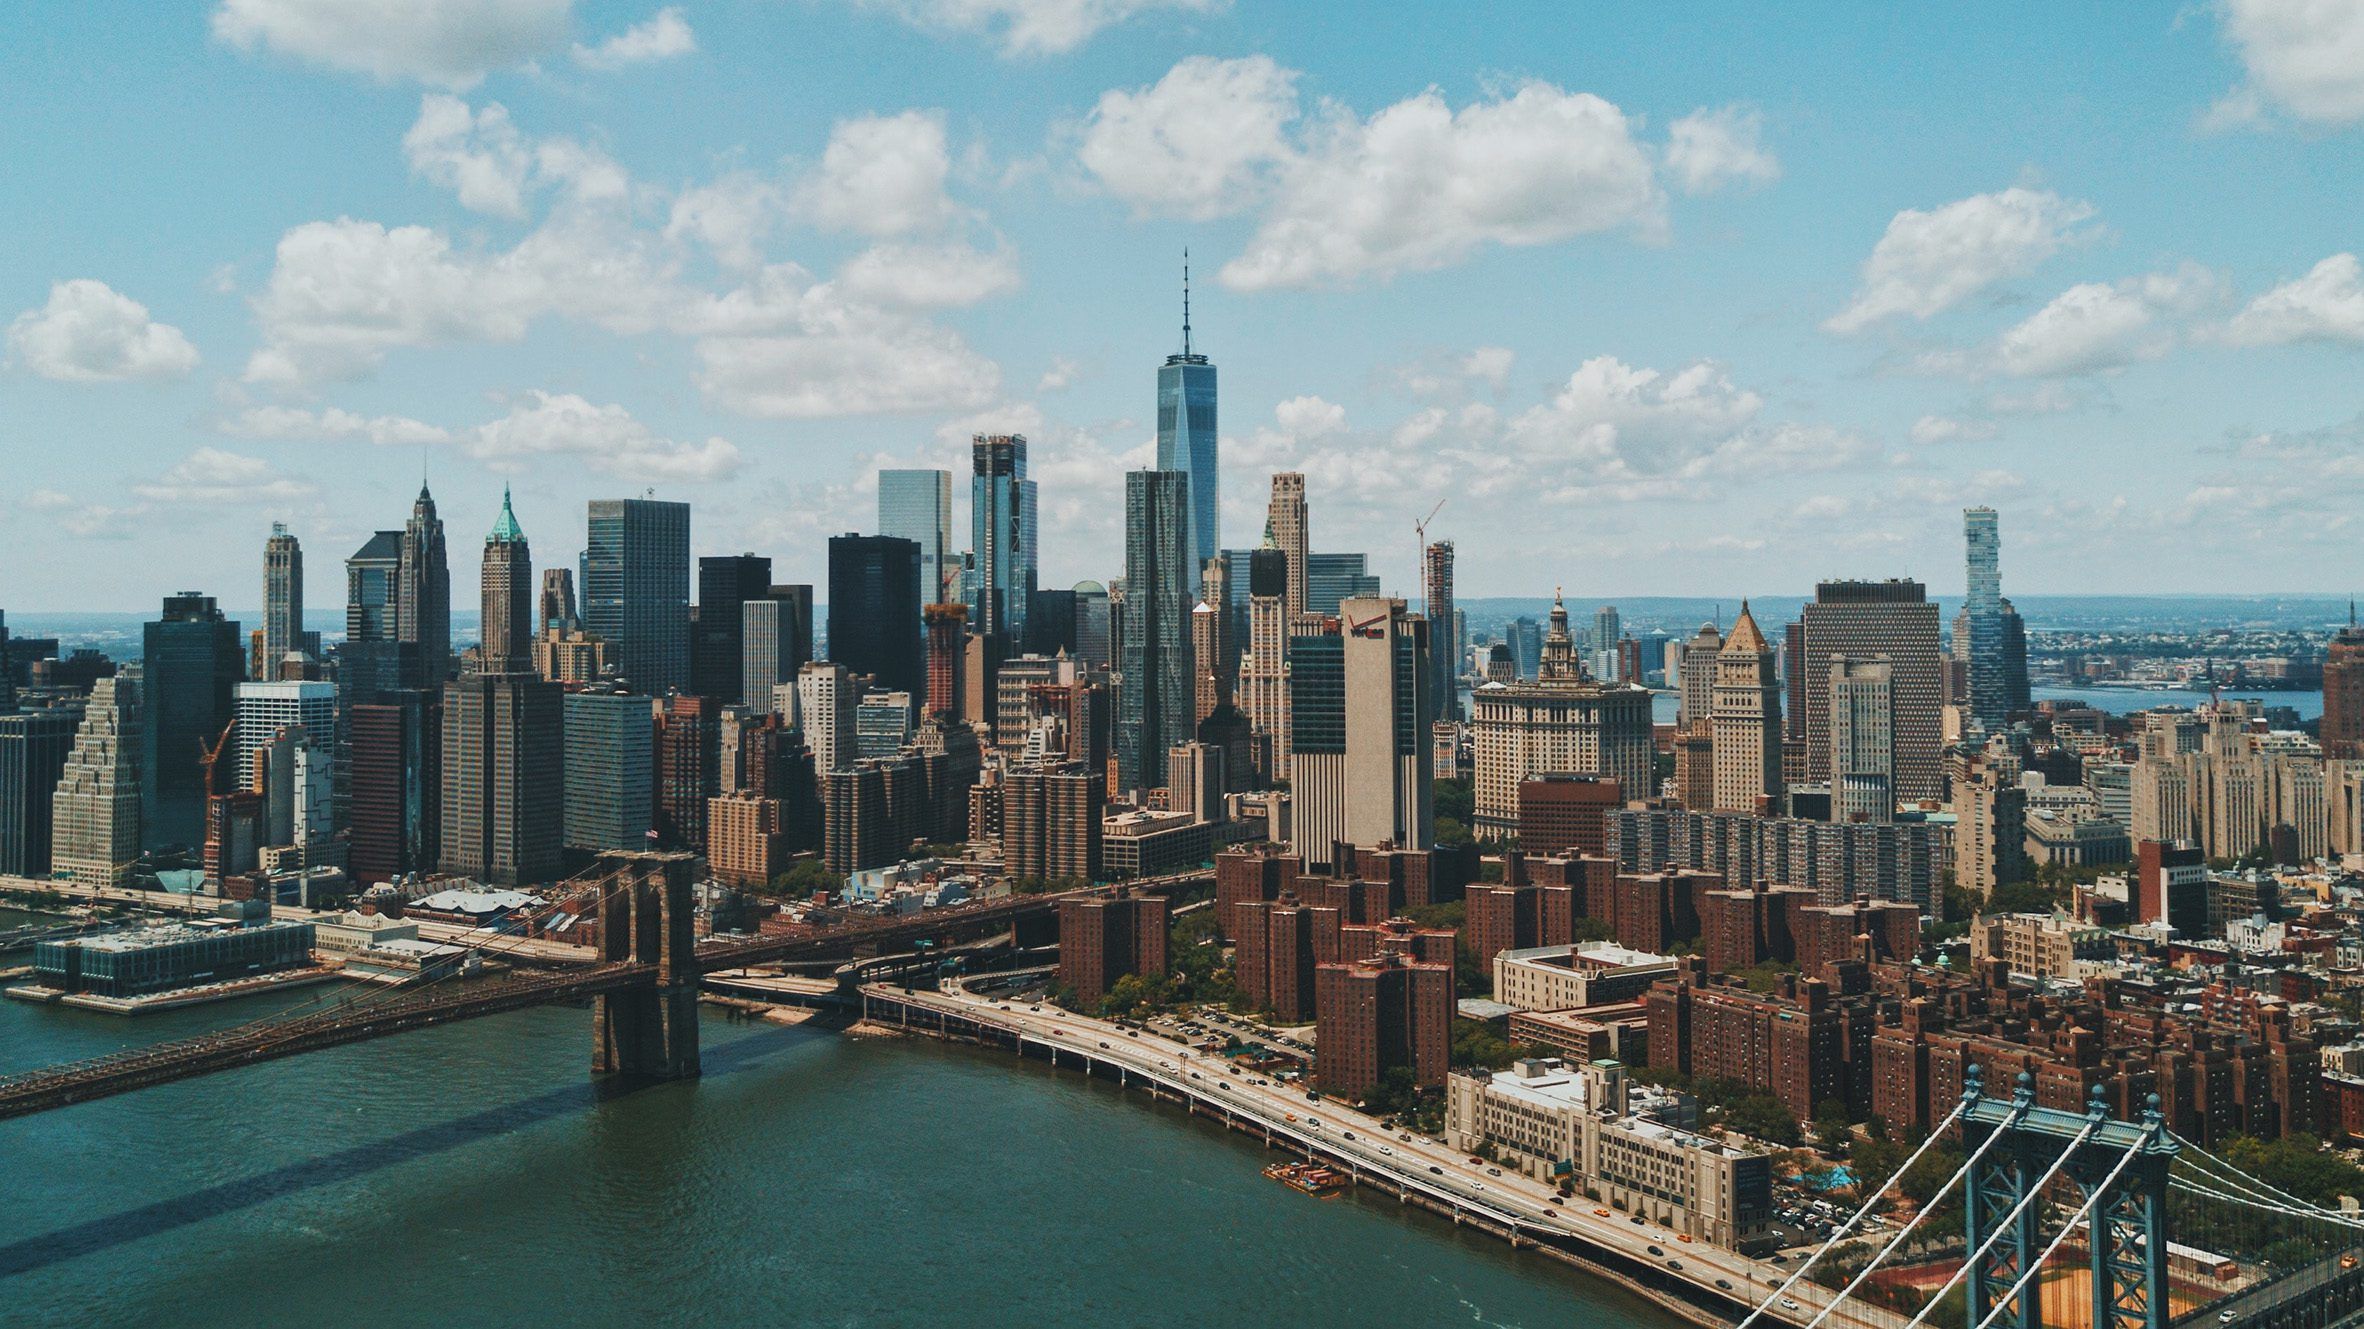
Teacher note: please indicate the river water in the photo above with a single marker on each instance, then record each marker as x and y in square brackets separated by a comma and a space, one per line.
[475, 1175]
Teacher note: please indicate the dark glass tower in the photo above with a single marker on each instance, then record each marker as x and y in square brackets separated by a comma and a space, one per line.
[1157, 695]
[194, 659]
[874, 599]
[725, 585]
[1186, 439]
[636, 589]
[1001, 519]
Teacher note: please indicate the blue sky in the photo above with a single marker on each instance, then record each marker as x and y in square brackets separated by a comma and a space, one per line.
[1712, 302]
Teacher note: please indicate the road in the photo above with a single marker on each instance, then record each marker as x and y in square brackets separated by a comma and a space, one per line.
[1420, 1163]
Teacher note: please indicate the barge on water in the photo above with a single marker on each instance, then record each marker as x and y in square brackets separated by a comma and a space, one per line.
[1311, 1178]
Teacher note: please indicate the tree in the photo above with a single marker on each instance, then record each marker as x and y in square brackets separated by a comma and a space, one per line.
[1593, 929]
[1476, 1044]
[1452, 832]
[1456, 798]
[1763, 1117]
[806, 878]
[1834, 1128]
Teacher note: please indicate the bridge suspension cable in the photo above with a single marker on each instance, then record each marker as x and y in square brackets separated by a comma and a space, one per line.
[2092, 1197]
[2035, 1190]
[2264, 1193]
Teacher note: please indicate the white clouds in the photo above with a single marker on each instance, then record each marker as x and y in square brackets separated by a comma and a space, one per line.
[90, 333]
[1031, 27]
[664, 35]
[1420, 185]
[292, 424]
[1196, 143]
[2303, 57]
[1930, 429]
[1490, 364]
[2327, 304]
[606, 438]
[2094, 326]
[213, 477]
[928, 276]
[1927, 262]
[731, 216]
[787, 347]
[1310, 417]
[450, 43]
[477, 155]
[1707, 150]
[345, 292]
[882, 175]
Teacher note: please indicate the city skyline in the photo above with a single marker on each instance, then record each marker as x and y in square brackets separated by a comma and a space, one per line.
[1736, 321]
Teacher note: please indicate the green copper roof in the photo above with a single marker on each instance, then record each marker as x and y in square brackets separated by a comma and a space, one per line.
[506, 531]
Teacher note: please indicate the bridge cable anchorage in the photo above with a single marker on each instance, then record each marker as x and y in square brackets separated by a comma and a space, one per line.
[2092, 1198]
[2019, 1110]
[2035, 1191]
[1936, 1133]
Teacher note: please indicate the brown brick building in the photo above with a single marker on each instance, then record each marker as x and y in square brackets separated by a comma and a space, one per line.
[1051, 824]
[1378, 1014]
[1567, 814]
[1103, 939]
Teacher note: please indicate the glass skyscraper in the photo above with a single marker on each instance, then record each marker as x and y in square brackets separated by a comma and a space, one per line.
[1186, 441]
[194, 659]
[1157, 697]
[917, 506]
[1001, 519]
[636, 589]
[1979, 643]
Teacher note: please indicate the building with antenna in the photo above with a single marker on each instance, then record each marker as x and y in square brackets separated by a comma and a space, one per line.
[1186, 438]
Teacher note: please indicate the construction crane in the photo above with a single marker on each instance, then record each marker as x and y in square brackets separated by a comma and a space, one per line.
[1420, 528]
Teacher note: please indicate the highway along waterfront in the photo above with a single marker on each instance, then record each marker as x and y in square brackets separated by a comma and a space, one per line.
[474, 1174]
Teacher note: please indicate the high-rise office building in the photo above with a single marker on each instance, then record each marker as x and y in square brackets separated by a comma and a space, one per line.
[1436, 588]
[1003, 533]
[504, 742]
[610, 770]
[372, 659]
[263, 709]
[874, 603]
[1861, 620]
[2343, 693]
[1978, 636]
[34, 746]
[776, 640]
[917, 506]
[1607, 631]
[1560, 723]
[508, 597]
[396, 803]
[1186, 437]
[1746, 720]
[825, 701]
[96, 807]
[1360, 708]
[1092, 628]
[191, 661]
[718, 634]
[422, 597]
[1285, 529]
[1333, 579]
[689, 768]
[1160, 584]
[283, 598]
[947, 630]
[636, 589]
[1264, 665]
[1862, 741]
[1696, 680]
[557, 608]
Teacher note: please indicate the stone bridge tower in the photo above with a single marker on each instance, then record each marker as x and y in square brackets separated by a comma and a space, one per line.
[646, 918]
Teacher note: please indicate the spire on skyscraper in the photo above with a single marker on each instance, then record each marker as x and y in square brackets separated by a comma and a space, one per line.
[1185, 299]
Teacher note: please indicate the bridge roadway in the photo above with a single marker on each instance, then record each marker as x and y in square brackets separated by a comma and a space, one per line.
[377, 1014]
[1528, 1208]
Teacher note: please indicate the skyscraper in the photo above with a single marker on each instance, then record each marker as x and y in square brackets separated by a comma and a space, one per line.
[95, 811]
[1285, 529]
[1360, 708]
[283, 598]
[1862, 741]
[2343, 693]
[1436, 589]
[718, 639]
[396, 805]
[610, 770]
[825, 699]
[504, 738]
[776, 639]
[917, 506]
[1559, 723]
[1978, 639]
[636, 589]
[557, 609]
[1747, 720]
[1092, 627]
[263, 709]
[508, 591]
[874, 603]
[33, 749]
[1264, 667]
[372, 659]
[1333, 579]
[422, 597]
[1606, 633]
[1002, 527]
[1861, 620]
[191, 661]
[1186, 438]
[1160, 590]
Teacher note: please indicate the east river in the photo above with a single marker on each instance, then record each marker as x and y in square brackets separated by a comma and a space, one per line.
[474, 1175]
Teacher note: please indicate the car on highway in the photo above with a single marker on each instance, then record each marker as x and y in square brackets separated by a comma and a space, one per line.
[1385, 1150]
[1600, 1213]
[1493, 1172]
[1724, 1283]
[1350, 1135]
[1437, 1170]
[1674, 1264]
[1788, 1304]
[1655, 1251]
[1104, 1044]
